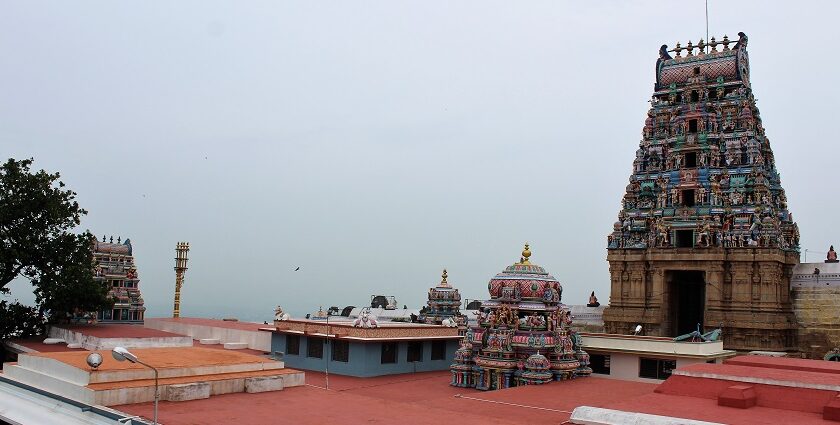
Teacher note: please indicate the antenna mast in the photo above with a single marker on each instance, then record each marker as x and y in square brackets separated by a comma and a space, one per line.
[707, 26]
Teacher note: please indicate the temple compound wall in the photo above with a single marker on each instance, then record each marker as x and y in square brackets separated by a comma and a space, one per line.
[815, 294]
[704, 238]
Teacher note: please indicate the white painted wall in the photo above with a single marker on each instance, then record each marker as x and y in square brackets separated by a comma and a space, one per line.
[626, 366]
[256, 340]
[93, 343]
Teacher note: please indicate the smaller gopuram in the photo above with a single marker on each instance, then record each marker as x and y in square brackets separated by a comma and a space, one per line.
[115, 268]
[523, 334]
[444, 303]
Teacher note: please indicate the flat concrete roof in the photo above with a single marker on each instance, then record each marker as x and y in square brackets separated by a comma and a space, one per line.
[169, 357]
[651, 345]
[216, 323]
[387, 331]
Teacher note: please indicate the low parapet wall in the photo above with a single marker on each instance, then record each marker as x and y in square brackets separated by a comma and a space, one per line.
[225, 332]
[94, 342]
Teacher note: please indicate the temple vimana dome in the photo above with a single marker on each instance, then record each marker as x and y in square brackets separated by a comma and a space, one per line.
[704, 238]
[522, 335]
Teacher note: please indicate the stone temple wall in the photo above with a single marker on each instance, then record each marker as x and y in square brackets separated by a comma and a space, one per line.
[816, 304]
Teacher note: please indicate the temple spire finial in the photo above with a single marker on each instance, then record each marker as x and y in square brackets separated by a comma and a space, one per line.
[526, 253]
[443, 277]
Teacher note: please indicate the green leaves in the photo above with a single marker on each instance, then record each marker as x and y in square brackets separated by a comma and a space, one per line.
[37, 216]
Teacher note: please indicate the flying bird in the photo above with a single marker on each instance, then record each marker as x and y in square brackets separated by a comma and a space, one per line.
[298, 268]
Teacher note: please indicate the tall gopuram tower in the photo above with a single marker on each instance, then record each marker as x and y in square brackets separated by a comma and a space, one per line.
[704, 237]
[115, 268]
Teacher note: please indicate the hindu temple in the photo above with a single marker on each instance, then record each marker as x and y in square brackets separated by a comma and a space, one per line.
[523, 334]
[444, 303]
[704, 238]
[115, 268]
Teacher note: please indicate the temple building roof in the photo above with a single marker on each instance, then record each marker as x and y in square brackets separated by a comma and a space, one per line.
[527, 280]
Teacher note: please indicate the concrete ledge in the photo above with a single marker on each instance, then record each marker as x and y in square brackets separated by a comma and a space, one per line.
[738, 396]
[77, 339]
[256, 340]
[209, 341]
[585, 415]
[261, 384]
[185, 392]
[294, 379]
[793, 383]
[236, 345]
[831, 411]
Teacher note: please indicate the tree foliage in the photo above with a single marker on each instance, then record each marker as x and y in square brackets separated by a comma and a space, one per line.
[37, 216]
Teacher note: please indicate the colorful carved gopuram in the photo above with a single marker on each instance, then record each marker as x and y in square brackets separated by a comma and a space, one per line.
[115, 268]
[523, 335]
[443, 306]
[704, 237]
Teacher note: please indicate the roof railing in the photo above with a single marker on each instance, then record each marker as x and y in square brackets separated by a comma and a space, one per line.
[702, 48]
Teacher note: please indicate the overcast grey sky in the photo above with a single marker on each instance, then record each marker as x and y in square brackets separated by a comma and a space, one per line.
[373, 143]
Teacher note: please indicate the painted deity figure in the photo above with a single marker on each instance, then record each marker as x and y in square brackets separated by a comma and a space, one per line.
[365, 320]
[704, 236]
[714, 190]
[675, 197]
[648, 125]
[279, 314]
[831, 256]
[663, 238]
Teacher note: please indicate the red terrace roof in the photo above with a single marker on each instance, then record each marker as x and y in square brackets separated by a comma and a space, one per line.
[785, 363]
[118, 330]
[427, 398]
[704, 409]
[244, 326]
[420, 398]
[765, 375]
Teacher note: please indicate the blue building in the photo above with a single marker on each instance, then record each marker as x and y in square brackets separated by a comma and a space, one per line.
[387, 349]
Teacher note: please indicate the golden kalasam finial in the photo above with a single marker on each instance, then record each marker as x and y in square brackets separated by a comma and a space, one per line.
[526, 253]
[443, 279]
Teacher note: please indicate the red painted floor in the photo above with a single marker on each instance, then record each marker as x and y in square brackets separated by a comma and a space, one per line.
[422, 398]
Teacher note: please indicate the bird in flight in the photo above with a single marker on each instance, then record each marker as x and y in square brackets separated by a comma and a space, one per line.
[297, 269]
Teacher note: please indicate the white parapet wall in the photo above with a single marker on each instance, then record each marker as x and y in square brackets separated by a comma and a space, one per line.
[654, 345]
[585, 415]
[256, 340]
[77, 339]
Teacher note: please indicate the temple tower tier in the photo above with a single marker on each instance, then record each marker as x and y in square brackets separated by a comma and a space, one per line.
[704, 238]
